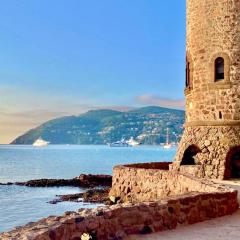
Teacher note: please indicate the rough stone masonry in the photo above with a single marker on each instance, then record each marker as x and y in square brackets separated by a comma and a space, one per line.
[155, 196]
[212, 128]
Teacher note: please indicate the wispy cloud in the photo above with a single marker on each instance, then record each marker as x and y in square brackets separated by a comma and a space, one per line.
[148, 99]
[24, 109]
[14, 123]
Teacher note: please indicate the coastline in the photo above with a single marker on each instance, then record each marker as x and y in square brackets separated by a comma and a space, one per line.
[205, 200]
[96, 187]
[21, 204]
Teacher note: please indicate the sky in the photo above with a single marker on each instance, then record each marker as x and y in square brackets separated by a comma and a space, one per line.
[65, 57]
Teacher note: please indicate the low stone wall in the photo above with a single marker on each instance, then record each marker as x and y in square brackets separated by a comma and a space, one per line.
[151, 181]
[117, 221]
[160, 200]
[194, 170]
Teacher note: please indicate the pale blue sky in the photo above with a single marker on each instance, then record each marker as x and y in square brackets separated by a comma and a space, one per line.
[62, 57]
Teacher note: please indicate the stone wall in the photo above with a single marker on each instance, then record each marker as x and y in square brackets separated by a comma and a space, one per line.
[213, 30]
[115, 222]
[214, 142]
[136, 183]
[212, 107]
[159, 200]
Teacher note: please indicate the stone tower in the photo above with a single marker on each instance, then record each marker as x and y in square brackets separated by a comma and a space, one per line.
[211, 139]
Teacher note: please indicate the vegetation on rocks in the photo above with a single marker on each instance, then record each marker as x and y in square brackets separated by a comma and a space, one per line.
[148, 125]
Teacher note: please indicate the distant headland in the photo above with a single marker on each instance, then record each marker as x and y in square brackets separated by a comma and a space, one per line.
[148, 125]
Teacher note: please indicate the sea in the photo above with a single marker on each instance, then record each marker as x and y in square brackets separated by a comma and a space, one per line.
[20, 205]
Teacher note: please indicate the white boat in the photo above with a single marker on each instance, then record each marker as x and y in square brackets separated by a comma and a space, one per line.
[121, 143]
[133, 142]
[40, 143]
[167, 145]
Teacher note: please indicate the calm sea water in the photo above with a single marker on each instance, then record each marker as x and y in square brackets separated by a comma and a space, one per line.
[19, 205]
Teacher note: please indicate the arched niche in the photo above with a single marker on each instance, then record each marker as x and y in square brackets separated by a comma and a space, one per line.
[232, 166]
[189, 154]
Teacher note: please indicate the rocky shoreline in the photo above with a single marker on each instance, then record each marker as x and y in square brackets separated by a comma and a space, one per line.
[98, 187]
[90, 196]
[166, 200]
[83, 181]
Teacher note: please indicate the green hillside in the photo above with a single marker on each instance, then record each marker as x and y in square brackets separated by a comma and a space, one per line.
[148, 125]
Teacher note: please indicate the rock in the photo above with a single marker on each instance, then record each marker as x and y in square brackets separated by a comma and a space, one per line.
[4, 184]
[91, 196]
[146, 230]
[112, 199]
[55, 201]
[84, 181]
[207, 143]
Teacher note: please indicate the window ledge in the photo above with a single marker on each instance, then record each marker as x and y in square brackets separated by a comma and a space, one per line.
[219, 85]
[219, 80]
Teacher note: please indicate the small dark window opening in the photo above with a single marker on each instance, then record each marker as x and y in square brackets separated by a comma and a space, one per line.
[219, 69]
[220, 115]
[188, 156]
[187, 73]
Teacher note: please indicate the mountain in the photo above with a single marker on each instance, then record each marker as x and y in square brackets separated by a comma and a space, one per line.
[147, 124]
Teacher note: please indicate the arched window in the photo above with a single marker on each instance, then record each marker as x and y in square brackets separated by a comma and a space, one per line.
[219, 69]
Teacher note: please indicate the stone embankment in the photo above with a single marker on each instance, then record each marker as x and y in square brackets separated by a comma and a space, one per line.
[182, 199]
